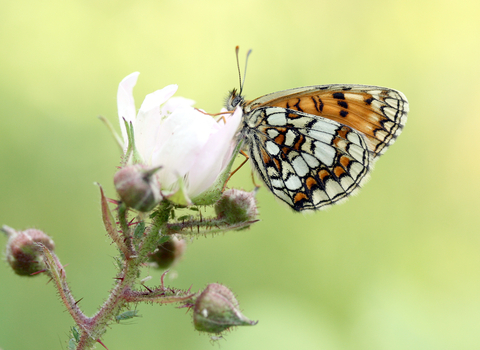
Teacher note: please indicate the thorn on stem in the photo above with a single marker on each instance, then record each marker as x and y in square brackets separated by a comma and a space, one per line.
[144, 286]
[100, 342]
[162, 280]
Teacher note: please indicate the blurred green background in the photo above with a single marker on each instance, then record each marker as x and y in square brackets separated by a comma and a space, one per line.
[396, 267]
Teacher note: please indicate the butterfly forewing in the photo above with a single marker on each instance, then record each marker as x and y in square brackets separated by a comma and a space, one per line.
[314, 146]
[378, 113]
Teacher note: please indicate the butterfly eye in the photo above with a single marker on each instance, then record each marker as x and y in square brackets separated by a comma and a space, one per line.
[236, 101]
[233, 100]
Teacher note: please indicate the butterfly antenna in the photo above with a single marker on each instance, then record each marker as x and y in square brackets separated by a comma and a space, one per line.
[245, 70]
[238, 67]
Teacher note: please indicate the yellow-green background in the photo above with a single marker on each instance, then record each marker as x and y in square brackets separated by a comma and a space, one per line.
[396, 267]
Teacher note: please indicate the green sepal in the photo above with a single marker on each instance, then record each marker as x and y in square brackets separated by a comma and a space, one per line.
[131, 149]
[112, 130]
[110, 224]
[180, 197]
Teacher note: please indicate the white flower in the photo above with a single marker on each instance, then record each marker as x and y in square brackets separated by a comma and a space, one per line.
[190, 147]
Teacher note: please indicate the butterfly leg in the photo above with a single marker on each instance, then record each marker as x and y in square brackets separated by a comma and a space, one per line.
[238, 168]
[221, 114]
[222, 118]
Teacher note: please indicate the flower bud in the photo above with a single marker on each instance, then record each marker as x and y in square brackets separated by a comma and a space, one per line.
[138, 187]
[23, 254]
[168, 253]
[216, 310]
[236, 206]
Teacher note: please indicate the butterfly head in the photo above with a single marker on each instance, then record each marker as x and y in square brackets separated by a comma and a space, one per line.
[233, 100]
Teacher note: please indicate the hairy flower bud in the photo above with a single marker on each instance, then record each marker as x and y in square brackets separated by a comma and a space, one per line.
[236, 206]
[138, 187]
[23, 253]
[216, 310]
[168, 253]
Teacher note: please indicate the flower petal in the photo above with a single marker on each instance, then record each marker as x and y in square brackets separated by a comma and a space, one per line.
[183, 135]
[175, 103]
[159, 97]
[126, 103]
[149, 120]
[215, 155]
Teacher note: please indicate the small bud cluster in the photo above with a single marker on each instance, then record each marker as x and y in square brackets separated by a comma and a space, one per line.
[23, 252]
[236, 206]
[168, 253]
[217, 309]
[138, 187]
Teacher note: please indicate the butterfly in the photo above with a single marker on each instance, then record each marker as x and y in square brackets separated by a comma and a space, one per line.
[314, 146]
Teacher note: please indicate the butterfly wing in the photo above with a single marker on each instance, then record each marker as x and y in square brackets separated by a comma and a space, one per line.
[378, 113]
[307, 161]
[314, 146]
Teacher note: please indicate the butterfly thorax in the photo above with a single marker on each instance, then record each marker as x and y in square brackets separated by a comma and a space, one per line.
[247, 129]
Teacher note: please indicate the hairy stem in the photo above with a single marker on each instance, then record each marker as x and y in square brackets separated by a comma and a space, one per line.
[127, 236]
[92, 328]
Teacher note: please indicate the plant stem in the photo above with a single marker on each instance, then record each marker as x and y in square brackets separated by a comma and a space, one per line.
[92, 328]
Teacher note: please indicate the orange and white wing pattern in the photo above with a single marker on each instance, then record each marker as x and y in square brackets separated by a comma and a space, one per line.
[314, 146]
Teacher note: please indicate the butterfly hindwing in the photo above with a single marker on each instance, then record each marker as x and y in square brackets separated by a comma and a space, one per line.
[307, 161]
